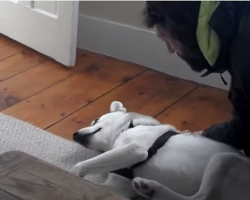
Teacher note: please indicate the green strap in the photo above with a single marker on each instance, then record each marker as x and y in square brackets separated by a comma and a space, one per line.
[208, 40]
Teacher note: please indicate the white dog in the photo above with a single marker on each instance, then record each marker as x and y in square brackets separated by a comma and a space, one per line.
[163, 165]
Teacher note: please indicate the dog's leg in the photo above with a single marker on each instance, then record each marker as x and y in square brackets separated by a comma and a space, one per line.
[155, 191]
[114, 159]
[120, 185]
[146, 121]
[227, 177]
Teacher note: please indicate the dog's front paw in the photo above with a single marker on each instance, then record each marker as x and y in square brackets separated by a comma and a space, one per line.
[149, 189]
[77, 171]
[143, 187]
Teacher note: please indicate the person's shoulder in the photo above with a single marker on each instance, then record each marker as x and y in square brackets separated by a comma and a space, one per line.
[240, 46]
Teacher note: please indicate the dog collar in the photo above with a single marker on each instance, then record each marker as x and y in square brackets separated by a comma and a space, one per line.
[159, 142]
[131, 125]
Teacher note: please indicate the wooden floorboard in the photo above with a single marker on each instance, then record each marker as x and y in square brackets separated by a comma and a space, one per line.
[38, 78]
[19, 63]
[4, 40]
[199, 110]
[30, 82]
[80, 89]
[149, 93]
[36, 89]
[10, 49]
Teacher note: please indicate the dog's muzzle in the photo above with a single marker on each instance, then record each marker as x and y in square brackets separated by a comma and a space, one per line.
[84, 139]
[81, 139]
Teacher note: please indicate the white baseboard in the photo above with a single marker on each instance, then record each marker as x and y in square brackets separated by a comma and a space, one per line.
[137, 46]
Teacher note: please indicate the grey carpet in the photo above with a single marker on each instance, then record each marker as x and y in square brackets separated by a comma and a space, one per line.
[18, 135]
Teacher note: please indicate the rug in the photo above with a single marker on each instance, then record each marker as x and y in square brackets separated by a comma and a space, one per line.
[18, 135]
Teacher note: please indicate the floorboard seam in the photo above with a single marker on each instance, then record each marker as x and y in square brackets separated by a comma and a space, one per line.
[22, 71]
[184, 96]
[97, 99]
[46, 87]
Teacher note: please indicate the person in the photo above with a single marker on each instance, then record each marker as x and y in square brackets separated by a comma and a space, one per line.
[212, 36]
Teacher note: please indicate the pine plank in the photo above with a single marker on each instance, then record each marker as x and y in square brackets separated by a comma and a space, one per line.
[80, 89]
[4, 40]
[30, 82]
[149, 93]
[10, 50]
[19, 63]
[33, 81]
[84, 59]
[199, 110]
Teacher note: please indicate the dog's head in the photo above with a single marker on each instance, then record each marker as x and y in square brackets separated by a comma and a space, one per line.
[105, 129]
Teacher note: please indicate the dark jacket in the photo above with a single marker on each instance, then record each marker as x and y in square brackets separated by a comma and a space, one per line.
[231, 22]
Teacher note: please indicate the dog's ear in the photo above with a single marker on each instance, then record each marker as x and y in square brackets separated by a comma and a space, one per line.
[117, 106]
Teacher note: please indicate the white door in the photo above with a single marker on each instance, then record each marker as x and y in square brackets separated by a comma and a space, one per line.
[49, 27]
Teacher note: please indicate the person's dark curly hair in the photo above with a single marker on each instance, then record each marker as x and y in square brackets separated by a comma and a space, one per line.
[180, 19]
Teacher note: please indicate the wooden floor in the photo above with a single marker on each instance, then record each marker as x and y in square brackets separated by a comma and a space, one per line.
[37, 90]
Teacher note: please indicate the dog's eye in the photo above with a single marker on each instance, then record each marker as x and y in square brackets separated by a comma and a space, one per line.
[95, 121]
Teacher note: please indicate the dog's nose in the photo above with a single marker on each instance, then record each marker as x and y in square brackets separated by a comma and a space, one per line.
[81, 139]
[75, 136]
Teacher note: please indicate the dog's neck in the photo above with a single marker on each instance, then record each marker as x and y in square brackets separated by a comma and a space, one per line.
[121, 129]
[132, 120]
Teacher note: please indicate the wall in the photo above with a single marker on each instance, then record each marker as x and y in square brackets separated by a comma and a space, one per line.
[124, 12]
[115, 28]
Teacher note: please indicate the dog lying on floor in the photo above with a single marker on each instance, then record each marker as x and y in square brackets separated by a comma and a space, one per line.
[151, 159]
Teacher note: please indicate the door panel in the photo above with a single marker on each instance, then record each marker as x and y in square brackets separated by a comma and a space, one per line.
[49, 27]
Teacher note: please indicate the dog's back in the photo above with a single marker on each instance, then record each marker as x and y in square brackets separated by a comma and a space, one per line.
[226, 177]
[180, 163]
